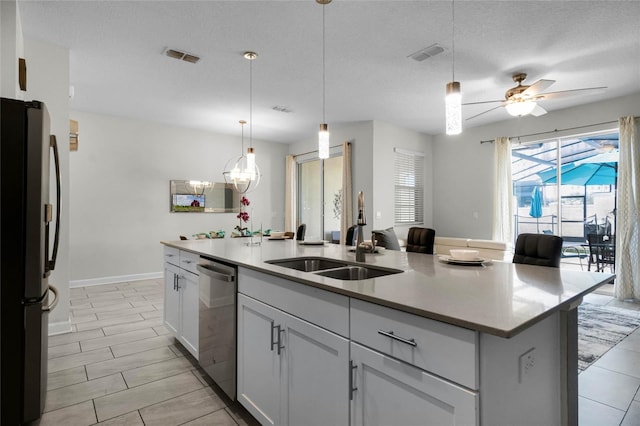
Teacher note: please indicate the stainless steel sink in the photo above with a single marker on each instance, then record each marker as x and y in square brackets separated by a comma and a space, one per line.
[308, 264]
[349, 273]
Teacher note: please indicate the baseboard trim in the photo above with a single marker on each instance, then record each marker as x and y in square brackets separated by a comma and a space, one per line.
[61, 327]
[115, 279]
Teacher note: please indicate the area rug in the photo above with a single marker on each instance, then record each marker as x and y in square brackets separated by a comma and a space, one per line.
[600, 328]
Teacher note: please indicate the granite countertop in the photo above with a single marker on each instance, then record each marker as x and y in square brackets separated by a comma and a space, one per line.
[498, 298]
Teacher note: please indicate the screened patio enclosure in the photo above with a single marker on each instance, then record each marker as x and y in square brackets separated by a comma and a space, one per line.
[576, 190]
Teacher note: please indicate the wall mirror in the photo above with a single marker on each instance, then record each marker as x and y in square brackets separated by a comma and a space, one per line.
[194, 196]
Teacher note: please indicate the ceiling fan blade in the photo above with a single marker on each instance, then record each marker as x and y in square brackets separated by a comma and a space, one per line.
[489, 110]
[537, 87]
[538, 111]
[483, 102]
[567, 93]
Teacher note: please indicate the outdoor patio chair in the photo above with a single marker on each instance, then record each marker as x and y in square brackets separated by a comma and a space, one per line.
[538, 249]
[602, 252]
[352, 233]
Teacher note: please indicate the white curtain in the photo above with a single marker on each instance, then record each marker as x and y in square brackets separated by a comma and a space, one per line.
[346, 215]
[627, 215]
[502, 226]
[291, 194]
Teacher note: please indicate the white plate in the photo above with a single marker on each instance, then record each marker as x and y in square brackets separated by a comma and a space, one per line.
[278, 238]
[476, 261]
[312, 243]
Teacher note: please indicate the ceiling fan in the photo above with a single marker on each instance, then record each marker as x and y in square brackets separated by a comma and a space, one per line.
[523, 99]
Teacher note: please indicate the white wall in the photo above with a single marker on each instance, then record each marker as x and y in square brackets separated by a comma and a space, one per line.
[120, 192]
[11, 48]
[48, 81]
[386, 137]
[463, 168]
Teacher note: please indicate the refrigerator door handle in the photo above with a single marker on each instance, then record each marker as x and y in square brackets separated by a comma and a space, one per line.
[51, 264]
[53, 304]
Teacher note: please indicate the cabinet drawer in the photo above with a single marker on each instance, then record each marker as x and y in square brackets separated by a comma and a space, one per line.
[320, 307]
[189, 261]
[172, 255]
[446, 350]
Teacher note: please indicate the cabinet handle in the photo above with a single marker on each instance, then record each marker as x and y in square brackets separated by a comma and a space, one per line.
[169, 255]
[280, 345]
[187, 262]
[178, 281]
[352, 388]
[273, 342]
[411, 342]
[175, 281]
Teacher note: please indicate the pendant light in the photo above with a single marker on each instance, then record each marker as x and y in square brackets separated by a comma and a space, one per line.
[243, 172]
[323, 134]
[453, 100]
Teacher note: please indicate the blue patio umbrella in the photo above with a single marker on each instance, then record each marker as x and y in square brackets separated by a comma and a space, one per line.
[583, 173]
[536, 206]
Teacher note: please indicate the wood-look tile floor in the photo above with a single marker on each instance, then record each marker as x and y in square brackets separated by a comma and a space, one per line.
[120, 366]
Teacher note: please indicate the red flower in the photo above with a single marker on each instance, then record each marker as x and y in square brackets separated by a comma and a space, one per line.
[244, 201]
[244, 216]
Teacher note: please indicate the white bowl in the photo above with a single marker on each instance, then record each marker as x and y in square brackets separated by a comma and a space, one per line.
[464, 254]
[276, 234]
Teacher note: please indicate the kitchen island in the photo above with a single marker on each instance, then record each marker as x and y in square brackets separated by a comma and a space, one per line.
[492, 344]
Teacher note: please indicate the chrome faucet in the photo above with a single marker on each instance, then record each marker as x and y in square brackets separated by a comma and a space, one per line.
[362, 221]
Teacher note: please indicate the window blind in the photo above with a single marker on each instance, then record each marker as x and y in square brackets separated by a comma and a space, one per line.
[409, 187]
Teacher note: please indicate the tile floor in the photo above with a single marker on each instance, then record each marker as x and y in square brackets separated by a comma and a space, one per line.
[609, 389]
[121, 367]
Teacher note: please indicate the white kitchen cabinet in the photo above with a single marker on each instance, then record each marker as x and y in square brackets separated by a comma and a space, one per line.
[181, 297]
[171, 298]
[290, 372]
[386, 391]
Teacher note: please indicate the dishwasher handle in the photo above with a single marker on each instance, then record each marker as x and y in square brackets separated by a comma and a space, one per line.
[214, 273]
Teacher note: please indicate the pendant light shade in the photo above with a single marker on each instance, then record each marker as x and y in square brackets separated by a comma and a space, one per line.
[453, 108]
[323, 134]
[242, 172]
[323, 141]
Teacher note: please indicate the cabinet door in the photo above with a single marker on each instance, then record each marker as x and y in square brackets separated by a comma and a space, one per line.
[390, 392]
[258, 360]
[315, 379]
[171, 299]
[189, 297]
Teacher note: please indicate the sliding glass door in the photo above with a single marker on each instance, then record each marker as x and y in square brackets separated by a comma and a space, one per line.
[320, 196]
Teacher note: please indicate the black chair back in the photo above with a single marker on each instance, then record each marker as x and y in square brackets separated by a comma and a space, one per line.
[301, 231]
[538, 249]
[420, 240]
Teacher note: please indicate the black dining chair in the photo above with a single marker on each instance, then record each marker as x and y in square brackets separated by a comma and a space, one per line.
[350, 239]
[538, 249]
[301, 231]
[420, 240]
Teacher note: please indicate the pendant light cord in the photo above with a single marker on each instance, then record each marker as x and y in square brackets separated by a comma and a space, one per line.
[453, 40]
[323, 69]
[251, 103]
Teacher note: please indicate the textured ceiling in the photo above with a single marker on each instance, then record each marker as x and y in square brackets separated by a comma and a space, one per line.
[117, 65]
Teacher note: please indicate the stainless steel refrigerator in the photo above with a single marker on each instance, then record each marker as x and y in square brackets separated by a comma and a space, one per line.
[28, 256]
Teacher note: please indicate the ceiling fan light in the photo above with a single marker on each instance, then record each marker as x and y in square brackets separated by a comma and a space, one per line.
[453, 108]
[520, 108]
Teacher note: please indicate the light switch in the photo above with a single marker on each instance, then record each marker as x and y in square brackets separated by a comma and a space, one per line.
[378, 215]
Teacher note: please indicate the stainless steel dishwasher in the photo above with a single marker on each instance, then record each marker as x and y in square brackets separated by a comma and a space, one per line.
[217, 323]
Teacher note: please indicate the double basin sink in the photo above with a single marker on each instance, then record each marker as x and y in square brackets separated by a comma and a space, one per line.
[332, 268]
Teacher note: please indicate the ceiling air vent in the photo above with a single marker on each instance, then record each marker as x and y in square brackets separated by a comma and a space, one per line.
[281, 108]
[178, 54]
[427, 52]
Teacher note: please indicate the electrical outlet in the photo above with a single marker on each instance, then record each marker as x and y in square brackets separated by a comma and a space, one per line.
[527, 365]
